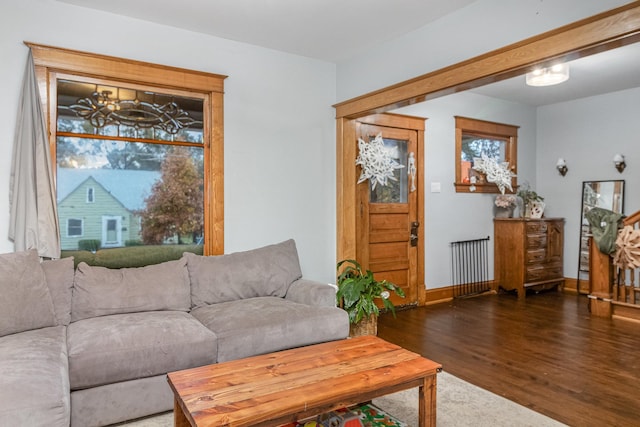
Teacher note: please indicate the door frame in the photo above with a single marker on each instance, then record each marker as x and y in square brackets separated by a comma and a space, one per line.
[347, 185]
[598, 33]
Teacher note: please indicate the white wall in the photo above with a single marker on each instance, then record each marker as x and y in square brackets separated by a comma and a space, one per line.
[279, 128]
[451, 216]
[587, 133]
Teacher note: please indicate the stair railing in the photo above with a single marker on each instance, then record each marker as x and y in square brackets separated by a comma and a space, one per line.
[614, 291]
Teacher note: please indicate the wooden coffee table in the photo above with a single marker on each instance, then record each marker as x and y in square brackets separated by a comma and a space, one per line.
[286, 386]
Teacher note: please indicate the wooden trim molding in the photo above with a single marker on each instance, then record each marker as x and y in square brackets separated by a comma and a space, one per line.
[605, 31]
[51, 61]
[128, 70]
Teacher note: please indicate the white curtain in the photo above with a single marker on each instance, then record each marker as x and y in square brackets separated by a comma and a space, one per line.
[34, 218]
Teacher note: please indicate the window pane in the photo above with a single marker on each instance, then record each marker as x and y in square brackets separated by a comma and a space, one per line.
[142, 193]
[396, 191]
[94, 109]
[475, 146]
[74, 227]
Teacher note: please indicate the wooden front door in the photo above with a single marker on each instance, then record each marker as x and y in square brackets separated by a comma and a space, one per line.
[387, 221]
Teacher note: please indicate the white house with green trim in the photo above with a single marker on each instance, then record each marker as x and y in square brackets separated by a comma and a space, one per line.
[101, 204]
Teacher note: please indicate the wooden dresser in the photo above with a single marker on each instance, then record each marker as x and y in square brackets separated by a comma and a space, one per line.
[528, 253]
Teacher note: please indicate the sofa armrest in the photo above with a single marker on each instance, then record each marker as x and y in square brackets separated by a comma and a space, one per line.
[311, 292]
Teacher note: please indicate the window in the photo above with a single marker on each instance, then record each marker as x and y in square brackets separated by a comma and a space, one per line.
[144, 148]
[74, 227]
[135, 140]
[475, 138]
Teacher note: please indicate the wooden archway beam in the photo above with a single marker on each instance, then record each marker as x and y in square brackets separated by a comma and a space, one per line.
[607, 30]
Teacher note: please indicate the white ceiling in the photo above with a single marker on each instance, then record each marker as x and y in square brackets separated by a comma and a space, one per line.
[330, 30]
[300, 27]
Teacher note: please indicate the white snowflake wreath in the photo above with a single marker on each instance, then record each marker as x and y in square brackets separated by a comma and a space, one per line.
[376, 161]
[495, 172]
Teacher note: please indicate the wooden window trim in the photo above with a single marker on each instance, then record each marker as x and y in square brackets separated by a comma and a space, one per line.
[52, 60]
[490, 130]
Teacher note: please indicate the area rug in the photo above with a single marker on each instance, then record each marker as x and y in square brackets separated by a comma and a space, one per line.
[459, 404]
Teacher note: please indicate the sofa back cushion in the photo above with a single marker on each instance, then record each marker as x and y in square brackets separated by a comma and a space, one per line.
[100, 291]
[59, 276]
[262, 272]
[25, 301]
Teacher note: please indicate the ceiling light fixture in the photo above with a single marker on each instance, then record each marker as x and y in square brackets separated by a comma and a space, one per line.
[548, 76]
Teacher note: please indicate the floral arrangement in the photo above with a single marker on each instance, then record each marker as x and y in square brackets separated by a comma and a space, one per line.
[498, 173]
[506, 200]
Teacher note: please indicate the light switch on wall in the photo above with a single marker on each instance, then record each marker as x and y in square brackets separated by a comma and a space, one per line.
[435, 187]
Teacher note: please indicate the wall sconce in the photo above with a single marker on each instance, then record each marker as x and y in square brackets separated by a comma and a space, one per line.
[618, 161]
[562, 166]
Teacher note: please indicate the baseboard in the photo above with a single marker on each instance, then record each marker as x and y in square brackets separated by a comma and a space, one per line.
[571, 285]
[438, 295]
[447, 293]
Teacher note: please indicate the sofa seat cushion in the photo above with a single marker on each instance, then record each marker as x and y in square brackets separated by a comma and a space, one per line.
[121, 347]
[265, 324]
[34, 378]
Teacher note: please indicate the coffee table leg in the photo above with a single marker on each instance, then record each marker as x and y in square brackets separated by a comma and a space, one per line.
[179, 419]
[427, 402]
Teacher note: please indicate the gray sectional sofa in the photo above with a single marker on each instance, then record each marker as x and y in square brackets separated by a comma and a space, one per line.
[91, 346]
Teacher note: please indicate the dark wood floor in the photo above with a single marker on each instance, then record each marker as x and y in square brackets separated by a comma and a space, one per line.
[546, 353]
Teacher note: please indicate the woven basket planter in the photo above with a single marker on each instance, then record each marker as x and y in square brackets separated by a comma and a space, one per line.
[367, 326]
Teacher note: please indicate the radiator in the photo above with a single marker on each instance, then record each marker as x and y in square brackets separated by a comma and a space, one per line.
[470, 267]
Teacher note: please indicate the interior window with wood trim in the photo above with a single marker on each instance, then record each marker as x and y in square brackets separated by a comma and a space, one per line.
[137, 150]
[475, 138]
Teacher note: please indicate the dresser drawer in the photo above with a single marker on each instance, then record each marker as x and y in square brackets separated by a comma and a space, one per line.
[536, 256]
[536, 227]
[536, 241]
[540, 272]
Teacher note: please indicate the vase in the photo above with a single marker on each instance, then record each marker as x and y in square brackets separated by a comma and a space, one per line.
[367, 326]
[499, 212]
[534, 210]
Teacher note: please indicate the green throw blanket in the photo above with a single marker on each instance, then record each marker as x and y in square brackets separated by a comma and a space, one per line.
[604, 227]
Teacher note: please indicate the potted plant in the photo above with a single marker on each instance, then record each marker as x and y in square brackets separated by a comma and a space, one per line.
[357, 294]
[532, 201]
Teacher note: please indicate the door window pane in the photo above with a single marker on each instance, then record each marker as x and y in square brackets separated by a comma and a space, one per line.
[396, 190]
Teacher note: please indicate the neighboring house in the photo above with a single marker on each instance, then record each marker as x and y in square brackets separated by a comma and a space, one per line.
[101, 204]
